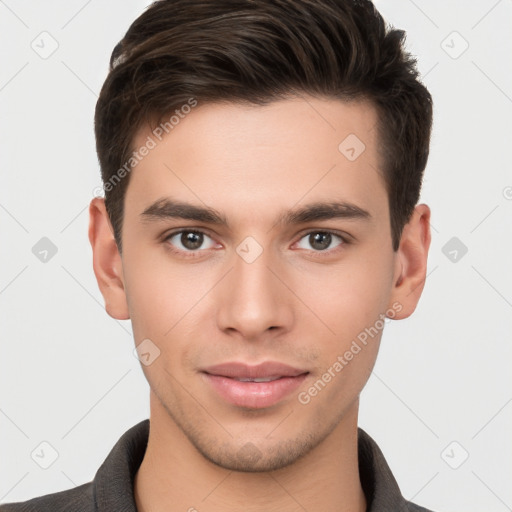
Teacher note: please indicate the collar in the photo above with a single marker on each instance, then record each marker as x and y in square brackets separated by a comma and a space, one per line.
[114, 480]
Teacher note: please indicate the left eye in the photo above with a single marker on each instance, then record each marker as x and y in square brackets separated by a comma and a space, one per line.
[319, 240]
[190, 240]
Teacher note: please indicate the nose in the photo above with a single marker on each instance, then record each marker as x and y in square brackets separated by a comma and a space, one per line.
[252, 300]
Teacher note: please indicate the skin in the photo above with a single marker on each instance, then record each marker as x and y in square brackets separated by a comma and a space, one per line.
[294, 304]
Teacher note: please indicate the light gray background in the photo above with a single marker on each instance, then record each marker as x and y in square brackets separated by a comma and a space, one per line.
[67, 372]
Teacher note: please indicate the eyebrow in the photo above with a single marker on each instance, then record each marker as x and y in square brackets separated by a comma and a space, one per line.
[167, 208]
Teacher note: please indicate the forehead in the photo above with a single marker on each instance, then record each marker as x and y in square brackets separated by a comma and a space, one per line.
[244, 157]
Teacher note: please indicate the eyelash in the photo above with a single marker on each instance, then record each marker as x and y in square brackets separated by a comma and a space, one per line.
[197, 253]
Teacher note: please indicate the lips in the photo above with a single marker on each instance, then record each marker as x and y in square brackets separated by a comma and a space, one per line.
[255, 387]
[269, 369]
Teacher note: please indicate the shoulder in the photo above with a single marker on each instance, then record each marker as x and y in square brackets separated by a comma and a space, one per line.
[78, 499]
[379, 485]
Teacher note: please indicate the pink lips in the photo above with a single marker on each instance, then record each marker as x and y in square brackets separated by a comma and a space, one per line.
[235, 382]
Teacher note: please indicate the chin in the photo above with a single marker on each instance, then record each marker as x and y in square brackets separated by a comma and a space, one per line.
[255, 456]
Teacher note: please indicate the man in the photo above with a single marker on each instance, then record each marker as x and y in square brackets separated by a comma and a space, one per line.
[262, 162]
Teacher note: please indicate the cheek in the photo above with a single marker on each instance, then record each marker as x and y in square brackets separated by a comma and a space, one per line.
[352, 309]
[345, 298]
[170, 305]
[158, 293]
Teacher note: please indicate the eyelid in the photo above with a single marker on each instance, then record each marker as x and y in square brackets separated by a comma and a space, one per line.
[186, 229]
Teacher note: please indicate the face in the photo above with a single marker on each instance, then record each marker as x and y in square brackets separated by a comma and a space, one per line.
[257, 259]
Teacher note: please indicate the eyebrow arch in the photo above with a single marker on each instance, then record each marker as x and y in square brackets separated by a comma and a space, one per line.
[324, 211]
[169, 209]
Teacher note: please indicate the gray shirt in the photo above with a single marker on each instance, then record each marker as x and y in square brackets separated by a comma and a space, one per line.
[112, 487]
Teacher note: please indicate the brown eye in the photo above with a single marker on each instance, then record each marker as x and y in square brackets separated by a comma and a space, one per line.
[190, 241]
[319, 241]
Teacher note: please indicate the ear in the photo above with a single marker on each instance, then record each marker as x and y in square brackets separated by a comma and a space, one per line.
[107, 263]
[411, 262]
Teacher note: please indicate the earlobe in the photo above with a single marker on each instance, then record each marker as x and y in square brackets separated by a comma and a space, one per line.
[412, 261]
[107, 263]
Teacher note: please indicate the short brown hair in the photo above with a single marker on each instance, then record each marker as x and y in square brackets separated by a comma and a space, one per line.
[259, 51]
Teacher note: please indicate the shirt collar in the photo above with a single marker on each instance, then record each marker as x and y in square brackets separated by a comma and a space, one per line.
[114, 480]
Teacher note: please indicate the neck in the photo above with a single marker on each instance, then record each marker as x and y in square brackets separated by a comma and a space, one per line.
[174, 476]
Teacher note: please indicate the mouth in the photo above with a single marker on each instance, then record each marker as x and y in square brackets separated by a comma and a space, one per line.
[260, 379]
[254, 387]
